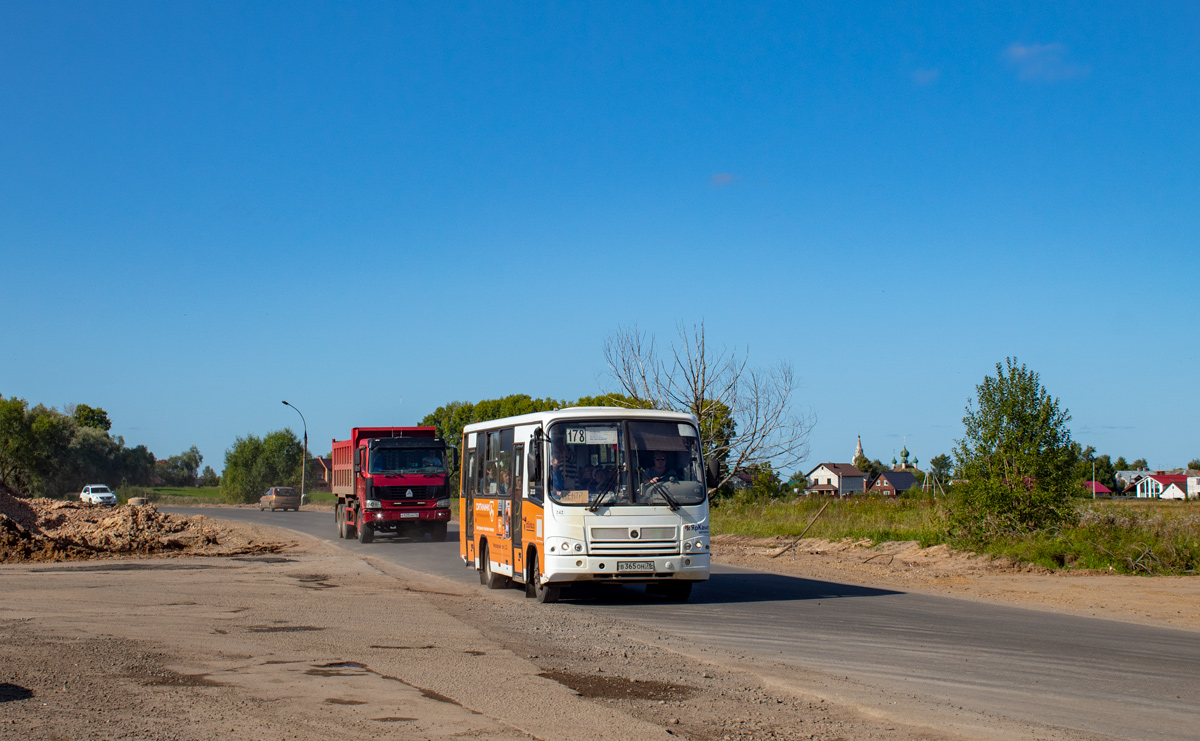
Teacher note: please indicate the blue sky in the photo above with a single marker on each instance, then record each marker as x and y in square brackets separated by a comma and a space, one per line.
[372, 209]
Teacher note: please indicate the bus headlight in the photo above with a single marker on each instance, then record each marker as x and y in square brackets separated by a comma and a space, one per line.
[442, 504]
[564, 546]
[373, 504]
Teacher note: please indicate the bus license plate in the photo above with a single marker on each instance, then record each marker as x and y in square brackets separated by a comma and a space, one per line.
[647, 566]
[410, 514]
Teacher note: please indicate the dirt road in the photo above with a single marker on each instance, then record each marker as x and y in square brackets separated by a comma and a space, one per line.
[314, 642]
[284, 636]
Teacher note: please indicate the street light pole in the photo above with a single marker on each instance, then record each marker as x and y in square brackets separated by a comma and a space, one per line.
[304, 457]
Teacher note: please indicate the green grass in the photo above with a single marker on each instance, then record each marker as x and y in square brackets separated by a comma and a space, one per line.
[1128, 537]
[873, 518]
[190, 492]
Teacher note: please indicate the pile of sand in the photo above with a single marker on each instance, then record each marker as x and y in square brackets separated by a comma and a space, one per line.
[55, 530]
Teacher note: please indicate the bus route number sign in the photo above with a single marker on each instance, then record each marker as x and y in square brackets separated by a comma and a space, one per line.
[591, 436]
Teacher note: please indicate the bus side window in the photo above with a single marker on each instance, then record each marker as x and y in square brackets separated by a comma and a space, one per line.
[468, 484]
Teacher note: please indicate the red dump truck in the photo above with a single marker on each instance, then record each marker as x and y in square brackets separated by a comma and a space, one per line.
[391, 479]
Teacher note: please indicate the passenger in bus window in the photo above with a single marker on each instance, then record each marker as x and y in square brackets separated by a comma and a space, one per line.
[659, 471]
[587, 479]
[557, 479]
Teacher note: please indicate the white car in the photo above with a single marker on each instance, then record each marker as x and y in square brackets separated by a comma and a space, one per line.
[98, 494]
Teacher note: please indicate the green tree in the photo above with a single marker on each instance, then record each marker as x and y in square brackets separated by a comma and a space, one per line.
[86, 416]
[797, 481]
[254, 464]
[1139, 465]
[1016, 457]
[940, 467]
[870, 467]
[209, 477]
[1194, 464]
[33, 447]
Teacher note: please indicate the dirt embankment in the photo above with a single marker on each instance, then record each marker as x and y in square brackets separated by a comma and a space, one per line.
[55, 530]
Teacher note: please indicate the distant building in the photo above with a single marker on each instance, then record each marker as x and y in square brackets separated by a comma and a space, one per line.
[1175, 490]
[891, 483]
[836, 479]
[1095, 487]
[1152, 486]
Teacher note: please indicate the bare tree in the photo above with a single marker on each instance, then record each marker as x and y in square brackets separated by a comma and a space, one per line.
[747, 416]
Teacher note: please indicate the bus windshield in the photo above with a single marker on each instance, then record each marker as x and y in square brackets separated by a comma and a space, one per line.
[633, 463]
[407, 460]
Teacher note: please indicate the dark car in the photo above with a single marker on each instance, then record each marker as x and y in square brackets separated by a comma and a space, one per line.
[280, 497]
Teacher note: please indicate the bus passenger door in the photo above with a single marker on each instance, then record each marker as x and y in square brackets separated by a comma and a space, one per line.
[467, 504]
[518, 494]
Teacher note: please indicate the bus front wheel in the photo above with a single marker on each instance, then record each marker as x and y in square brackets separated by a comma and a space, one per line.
[535, 587]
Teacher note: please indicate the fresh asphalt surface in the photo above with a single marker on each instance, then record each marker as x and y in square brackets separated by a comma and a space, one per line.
[1090, 675]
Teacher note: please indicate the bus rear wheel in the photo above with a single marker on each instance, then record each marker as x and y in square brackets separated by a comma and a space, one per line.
[487, 577]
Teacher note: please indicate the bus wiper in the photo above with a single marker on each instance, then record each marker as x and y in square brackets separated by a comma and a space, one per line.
[599, 500]
[662, 489]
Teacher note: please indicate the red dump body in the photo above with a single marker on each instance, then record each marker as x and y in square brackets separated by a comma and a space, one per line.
[391, 478]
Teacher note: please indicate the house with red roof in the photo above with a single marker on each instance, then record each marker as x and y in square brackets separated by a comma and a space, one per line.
[1153, 486]
[1095, 487]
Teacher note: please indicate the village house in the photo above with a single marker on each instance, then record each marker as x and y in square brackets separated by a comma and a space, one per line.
[891, 483]
[1152, 486]
[836, 479]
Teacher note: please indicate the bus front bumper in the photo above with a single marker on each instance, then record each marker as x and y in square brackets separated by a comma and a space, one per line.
[626, 569]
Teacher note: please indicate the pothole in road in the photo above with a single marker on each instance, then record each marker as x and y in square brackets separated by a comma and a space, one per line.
[168, 678]
[394, 719]
[339, 669]
[341, 701]
[620, 688]
[282, 628]
[314, 581]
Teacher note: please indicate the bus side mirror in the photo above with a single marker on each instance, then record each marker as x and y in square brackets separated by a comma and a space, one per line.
[357, 461]
[712, 473]
[533, 463]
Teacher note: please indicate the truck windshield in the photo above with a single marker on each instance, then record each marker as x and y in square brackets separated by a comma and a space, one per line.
[589, 464]
[407, 460]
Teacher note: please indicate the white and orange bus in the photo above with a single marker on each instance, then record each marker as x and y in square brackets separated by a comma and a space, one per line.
[585, 494]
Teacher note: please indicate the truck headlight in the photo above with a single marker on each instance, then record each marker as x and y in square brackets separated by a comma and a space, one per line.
[373, 504]
[442, 504]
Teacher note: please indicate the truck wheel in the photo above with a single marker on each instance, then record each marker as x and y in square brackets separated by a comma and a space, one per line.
[487, 577]
[338, 516]
[536, 588]
[350, 532]
[437, 533]
[366, 533]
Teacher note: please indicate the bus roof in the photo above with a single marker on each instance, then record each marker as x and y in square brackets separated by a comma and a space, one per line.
[555, 415]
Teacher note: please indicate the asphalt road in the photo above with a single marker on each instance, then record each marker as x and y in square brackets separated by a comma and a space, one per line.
[1098, 677]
